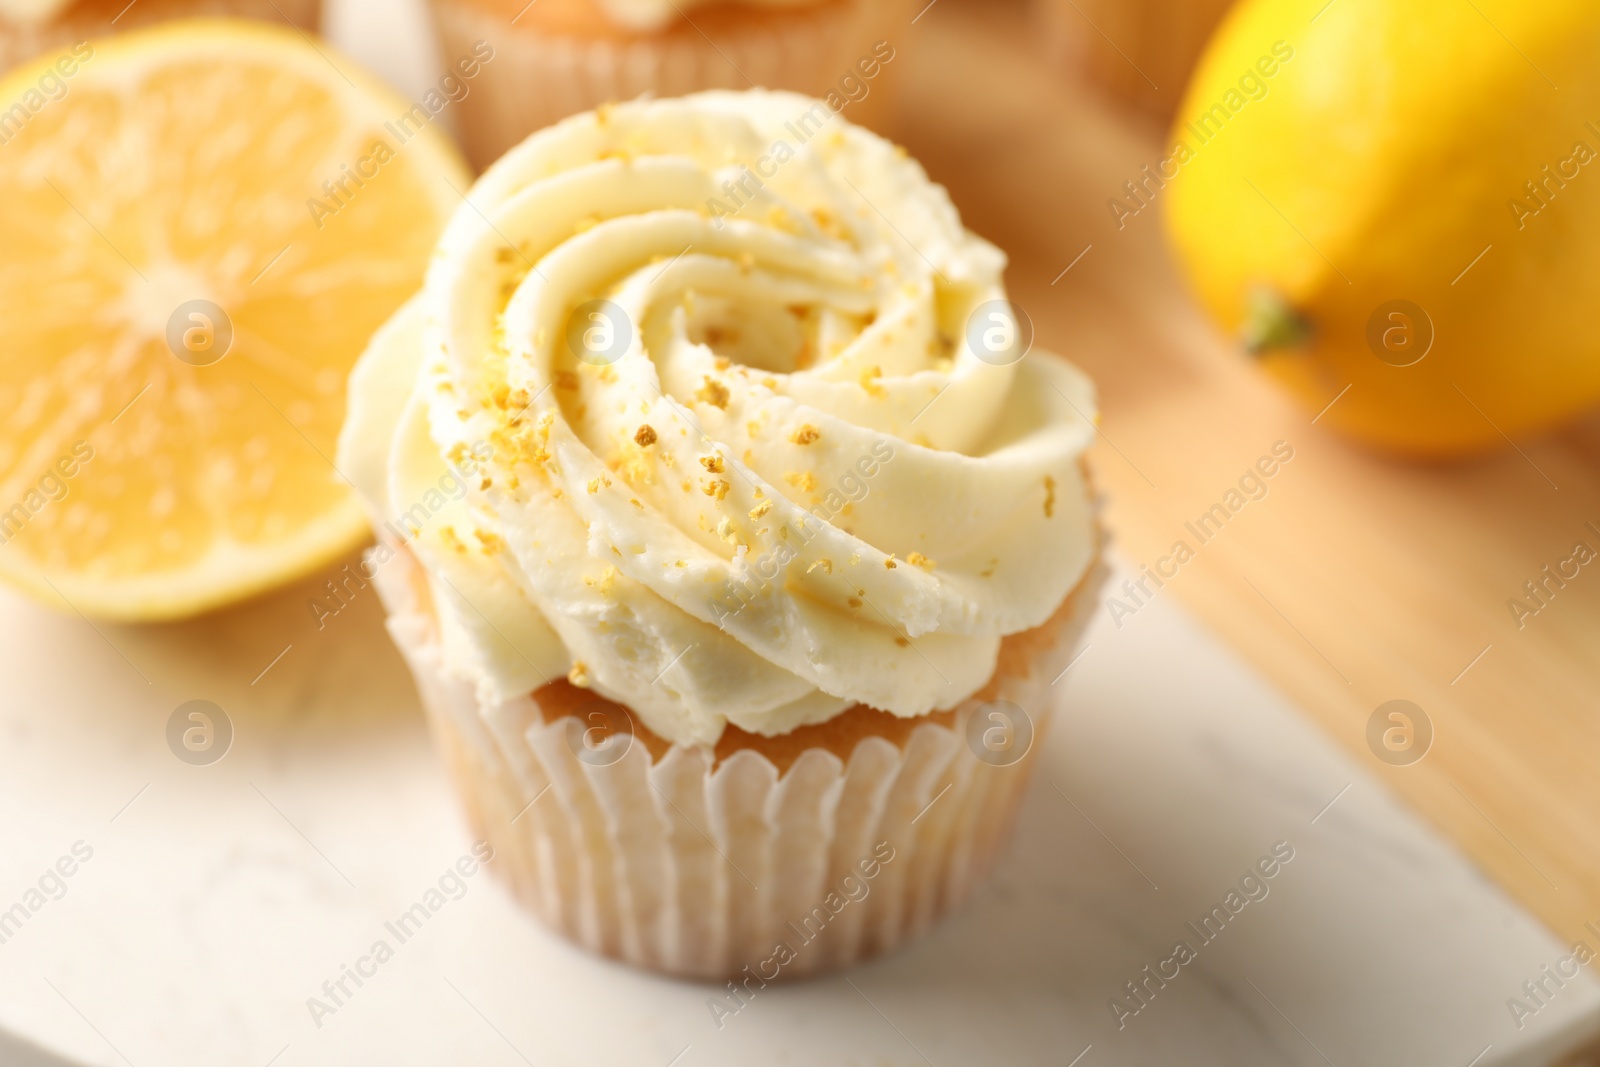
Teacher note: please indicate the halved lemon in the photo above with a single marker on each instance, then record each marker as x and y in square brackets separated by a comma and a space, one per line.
[201, 225]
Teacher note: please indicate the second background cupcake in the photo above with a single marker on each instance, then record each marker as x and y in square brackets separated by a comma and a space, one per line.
[1138, 52]
[31, 28]
[554, 58]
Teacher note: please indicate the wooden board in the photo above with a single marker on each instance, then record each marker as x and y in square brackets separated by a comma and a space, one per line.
[1357, 579]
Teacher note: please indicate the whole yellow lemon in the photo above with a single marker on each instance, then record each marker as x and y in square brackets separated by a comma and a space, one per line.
[1402, 199]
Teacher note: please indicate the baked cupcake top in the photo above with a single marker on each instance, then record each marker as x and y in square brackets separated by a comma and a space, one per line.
[712, 405]
[585, 17]
[654, 14]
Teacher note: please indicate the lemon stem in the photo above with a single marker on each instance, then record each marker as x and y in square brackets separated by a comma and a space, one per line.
[1271, 324]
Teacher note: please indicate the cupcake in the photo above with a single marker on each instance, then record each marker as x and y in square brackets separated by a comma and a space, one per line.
[32, 27]
[1140, 52]
[731, 532]
[555, 58]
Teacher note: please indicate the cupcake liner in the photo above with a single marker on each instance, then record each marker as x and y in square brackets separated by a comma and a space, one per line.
[536, 78]
[20, 42]
[733, 865]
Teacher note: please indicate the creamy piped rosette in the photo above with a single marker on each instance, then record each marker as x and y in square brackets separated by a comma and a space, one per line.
[699, 408]
[32, 10]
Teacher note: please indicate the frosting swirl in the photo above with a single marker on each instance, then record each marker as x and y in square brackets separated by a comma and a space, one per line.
[39, 10]
[712, 405]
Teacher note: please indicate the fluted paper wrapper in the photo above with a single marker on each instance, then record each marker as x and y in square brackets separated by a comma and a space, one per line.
[20, 42]
[703, 870]
[536, 79]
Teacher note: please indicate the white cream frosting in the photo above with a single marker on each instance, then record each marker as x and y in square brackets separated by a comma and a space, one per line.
[836, 500]
[648, 15]
[40, 10]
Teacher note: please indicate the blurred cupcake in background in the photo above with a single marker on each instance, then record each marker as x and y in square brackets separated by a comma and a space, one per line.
[555, 58]
[1140, 52]
[32, 27]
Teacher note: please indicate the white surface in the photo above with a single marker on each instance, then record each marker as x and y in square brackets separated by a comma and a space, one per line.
[205, 920]
[221, 897]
